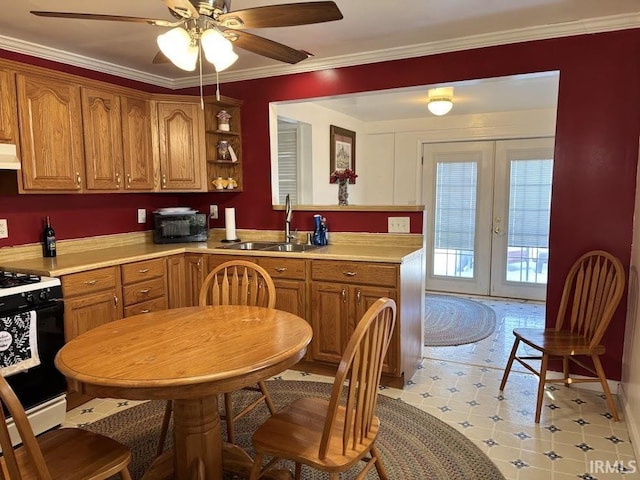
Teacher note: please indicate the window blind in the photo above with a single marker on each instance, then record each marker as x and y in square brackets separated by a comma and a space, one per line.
[287, 161]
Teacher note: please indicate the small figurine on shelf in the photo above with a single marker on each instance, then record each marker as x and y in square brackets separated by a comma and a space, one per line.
[223, 120]
[232, 183]
[220, 183]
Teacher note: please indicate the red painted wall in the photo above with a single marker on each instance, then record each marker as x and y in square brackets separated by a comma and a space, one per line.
[597, 132]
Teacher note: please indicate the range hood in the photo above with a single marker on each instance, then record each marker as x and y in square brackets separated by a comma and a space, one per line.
[8, 157]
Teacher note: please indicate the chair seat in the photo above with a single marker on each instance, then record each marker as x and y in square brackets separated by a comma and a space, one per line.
[296, 431]
[76, 454]
[558, 343]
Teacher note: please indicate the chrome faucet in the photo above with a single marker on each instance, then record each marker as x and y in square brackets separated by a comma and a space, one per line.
[288, 213]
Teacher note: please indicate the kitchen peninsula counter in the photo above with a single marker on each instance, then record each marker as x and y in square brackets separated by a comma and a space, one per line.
[74, 259]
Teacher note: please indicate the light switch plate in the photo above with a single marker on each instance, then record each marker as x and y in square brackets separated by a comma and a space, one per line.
[213, 211]
[398, 225]
[142, 215]
[4, 229]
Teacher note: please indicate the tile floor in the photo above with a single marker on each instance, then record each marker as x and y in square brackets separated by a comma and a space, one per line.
[459, 385]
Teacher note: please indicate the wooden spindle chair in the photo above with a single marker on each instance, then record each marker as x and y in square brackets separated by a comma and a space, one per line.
[60, 454]
[335, 434]
[237, 282]
[592, 291]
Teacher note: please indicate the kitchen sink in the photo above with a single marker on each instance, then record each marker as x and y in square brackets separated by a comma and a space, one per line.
[271, 246]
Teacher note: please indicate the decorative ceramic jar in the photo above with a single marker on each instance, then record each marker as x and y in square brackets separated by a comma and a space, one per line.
[223, 120]
[223, 150]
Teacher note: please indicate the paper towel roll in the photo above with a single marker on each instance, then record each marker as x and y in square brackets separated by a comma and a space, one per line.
[230, 223]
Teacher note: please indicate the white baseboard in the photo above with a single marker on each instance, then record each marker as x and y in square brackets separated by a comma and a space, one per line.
[631, 421]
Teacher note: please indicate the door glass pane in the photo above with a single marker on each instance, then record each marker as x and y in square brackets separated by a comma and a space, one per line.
[455, 218]
[529, 208]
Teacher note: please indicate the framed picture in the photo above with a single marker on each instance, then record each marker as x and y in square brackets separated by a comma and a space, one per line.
[342, 149]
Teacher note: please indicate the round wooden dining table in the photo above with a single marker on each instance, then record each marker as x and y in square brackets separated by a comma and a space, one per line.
[188, 355]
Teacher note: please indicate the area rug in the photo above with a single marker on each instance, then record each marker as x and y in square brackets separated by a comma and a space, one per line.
[451, 320]
[414, 445]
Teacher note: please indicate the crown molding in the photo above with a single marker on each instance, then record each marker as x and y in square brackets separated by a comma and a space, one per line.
[565, 29]
[68, 58]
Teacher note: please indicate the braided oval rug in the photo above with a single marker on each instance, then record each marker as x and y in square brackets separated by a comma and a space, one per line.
[451, 320]
[414, 444]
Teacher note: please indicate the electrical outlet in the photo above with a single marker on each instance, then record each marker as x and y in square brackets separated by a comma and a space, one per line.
[213, 211]
[142, 215]
[398, 225]
[4, 229]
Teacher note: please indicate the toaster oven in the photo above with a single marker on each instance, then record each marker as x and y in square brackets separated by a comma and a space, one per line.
[177, 227]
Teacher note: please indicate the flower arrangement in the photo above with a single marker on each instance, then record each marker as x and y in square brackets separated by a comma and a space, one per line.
[341, 176]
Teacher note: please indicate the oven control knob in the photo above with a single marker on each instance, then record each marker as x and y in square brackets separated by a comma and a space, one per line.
[30, 298]
[43, 295]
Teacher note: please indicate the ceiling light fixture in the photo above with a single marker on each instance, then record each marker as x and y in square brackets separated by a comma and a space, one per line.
[182, 48]
[440, 100]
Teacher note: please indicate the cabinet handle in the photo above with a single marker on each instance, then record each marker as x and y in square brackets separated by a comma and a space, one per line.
[358, 296]
[144, 270]
[164, 181]
[146, 310]
[349, 274]
[344, 295]
[145, 291]
[280, 269]
[128, 179]
[199, 265]
[90, 282]
[118, 180]
[78, 180]
[115, 301]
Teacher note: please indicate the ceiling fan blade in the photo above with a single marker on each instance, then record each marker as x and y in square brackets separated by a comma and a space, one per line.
[268, 48]
[160, 58]
[286, 15]
[114, 18]
[184, 8]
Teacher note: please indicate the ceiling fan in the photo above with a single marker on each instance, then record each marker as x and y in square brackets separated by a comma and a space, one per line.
[212, 25]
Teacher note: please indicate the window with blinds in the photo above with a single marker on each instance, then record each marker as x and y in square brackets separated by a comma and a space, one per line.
[455, 217]
[288, 134]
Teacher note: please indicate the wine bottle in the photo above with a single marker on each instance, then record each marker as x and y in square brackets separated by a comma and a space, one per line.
[48, 240]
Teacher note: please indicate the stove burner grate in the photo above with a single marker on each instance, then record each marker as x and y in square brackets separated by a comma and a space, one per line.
[13, 279]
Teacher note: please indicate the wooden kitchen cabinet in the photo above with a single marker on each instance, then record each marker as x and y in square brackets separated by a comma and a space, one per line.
[138, 163]
[176, 283]
[50, 116]
[195, 272]
[101, 122]
[8, 107]
[144, 286]
[342, 291]
[289, 276]
[181, 145]
[91, 298]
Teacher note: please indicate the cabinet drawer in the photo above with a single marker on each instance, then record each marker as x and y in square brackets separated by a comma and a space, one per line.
[355, 272]
[294, 269]
[138, 271]
[146, 307]
[215, 260]
[142, 291]
[89, 282]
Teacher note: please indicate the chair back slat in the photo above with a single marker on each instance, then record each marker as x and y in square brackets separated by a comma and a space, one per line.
[355, 387]
[238, 282]
[592, 291]
[10, 402]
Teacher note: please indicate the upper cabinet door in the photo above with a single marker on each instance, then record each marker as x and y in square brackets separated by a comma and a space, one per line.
[136, 137]
[8, 108]
[180, 134]
[102, 139]
[50, 133]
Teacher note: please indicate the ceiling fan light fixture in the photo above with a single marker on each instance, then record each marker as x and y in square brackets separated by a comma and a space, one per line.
[217, 49]
[178, 46]
[440, 100]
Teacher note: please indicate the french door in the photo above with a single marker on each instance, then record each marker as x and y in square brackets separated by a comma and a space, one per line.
[488, 207]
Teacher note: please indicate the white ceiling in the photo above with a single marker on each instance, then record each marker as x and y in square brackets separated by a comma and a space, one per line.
[371, 30]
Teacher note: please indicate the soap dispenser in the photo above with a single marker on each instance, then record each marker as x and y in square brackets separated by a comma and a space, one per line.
[319, 230]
